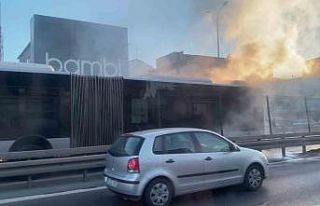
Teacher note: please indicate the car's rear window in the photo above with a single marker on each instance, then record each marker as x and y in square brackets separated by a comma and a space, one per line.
[126, 146]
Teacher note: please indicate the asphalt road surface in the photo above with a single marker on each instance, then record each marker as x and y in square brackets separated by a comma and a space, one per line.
[293, 183]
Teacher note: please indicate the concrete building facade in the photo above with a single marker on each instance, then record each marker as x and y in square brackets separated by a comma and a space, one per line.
[188, 64]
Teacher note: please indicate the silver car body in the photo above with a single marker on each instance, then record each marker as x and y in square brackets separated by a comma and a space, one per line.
[189, 173]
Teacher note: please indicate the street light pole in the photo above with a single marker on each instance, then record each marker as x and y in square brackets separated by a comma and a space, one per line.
[1, 37]
[217, 22]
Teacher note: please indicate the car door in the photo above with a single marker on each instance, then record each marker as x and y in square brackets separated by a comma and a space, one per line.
[222, 162]
[178, 156]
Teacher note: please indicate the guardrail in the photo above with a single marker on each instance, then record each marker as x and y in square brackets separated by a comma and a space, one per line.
[282, 141]
[33, 163]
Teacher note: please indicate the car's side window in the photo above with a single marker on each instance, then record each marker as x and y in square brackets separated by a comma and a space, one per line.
[177, 143]
[212, 143]
[158, 147]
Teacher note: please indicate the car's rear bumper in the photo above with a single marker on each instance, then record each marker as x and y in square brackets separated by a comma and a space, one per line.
[125, 187]
[126, 196]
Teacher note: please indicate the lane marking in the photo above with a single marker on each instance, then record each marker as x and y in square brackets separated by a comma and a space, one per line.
[35, 197]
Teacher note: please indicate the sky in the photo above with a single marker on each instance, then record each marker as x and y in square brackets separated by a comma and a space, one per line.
[155, 27]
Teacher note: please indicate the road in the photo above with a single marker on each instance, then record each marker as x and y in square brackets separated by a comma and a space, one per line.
[292, 183]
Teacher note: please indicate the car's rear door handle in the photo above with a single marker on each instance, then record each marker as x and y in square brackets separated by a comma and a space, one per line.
[208, 158]
[170, 161]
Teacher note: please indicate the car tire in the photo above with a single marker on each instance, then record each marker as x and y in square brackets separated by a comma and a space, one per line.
[159, 192]
[253, 178]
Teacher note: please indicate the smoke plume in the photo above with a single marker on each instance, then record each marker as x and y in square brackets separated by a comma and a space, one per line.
[272, 39]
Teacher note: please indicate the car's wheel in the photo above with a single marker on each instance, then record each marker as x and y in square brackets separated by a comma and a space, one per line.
[253, 178]
[159, 192]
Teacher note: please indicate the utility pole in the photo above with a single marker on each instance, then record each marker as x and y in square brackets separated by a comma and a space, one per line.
[218, 30]
[1, 37]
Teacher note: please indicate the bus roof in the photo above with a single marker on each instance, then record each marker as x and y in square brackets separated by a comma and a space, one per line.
[173, 79]
[47, 69]
[26, 67]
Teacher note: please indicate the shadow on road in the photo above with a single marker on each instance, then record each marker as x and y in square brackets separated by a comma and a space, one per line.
[234, 195]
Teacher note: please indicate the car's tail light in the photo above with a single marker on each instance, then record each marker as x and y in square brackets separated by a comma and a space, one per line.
[133, 165]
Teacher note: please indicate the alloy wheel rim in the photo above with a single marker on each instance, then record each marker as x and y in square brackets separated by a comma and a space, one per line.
[159, 194]
[255, 178]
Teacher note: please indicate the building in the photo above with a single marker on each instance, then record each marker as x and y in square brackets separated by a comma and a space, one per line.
[138, 68]
[188, 64]
[77, 47]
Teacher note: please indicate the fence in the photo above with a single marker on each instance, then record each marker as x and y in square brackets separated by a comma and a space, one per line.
[274, 115]
[31, 163]
[292, 114]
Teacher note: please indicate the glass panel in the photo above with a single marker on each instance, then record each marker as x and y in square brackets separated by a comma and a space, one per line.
[178, 143]
[139, 111]
[33, 114]
[126, 146]
[212, 143]
[158, 146]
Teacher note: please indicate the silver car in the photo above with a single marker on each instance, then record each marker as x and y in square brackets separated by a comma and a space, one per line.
[157, 165]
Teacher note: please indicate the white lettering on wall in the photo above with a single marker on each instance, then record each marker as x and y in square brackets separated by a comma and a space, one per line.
[85, 67]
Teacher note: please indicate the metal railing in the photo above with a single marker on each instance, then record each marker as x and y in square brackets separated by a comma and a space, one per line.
[263, 142]
[31, 163]
[82, 159]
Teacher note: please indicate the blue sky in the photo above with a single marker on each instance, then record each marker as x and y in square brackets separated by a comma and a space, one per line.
[156, 27]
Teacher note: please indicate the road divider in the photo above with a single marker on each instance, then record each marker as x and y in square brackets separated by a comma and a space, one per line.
[33, 163]
[282, 141]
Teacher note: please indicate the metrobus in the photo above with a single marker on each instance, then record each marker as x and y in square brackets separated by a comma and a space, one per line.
[43, 109]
